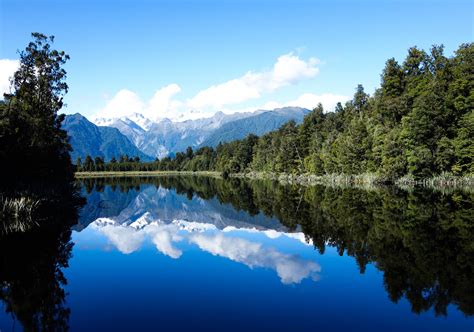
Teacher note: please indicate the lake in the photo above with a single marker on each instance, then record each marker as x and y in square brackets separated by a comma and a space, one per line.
[200, 253]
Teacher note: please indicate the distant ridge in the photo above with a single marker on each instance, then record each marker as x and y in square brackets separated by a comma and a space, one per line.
[258, 124]
[88, 139]
[165, 137]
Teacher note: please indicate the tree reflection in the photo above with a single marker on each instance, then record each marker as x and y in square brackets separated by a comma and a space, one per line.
[31, 262]
[422, 240]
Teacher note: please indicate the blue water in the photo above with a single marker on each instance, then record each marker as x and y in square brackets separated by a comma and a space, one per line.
[173, 273]
[147, 290]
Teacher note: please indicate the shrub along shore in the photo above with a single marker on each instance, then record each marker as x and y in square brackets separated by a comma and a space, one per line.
[364, 180]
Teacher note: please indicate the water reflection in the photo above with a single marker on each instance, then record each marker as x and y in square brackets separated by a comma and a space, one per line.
[32, 259]
[421, 240]
[227, 243]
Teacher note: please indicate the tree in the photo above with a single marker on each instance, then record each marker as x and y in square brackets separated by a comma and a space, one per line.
[360, 98]
[189, 153]
[464, 146]
[88, 164]
[79, 163]
[30, 127]
[99, 163]
[123, 159]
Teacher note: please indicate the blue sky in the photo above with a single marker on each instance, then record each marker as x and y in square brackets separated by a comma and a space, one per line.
[165, 58]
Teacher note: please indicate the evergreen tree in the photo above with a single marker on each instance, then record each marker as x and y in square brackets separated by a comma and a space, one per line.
[89, 164]
[79, 163]
[30, 127]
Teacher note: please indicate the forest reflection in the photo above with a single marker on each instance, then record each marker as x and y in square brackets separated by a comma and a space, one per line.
[32, 259]
[422, 240]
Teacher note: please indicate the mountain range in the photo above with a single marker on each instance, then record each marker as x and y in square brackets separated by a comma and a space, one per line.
[98, 141]
[136, 135]
[125, 208]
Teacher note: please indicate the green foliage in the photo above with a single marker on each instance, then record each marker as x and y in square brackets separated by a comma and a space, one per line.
[464, 146]
[32, 144]
[419, 124]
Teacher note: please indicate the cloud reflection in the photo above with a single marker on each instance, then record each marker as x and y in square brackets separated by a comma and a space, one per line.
[226, 243]
[290, 268]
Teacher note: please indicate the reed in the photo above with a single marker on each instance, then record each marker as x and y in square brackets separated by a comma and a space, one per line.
[17, 213]
[443, 182]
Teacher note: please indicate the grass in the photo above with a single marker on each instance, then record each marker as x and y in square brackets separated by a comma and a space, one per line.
[365, 180]
[17, 213]
[444, 182]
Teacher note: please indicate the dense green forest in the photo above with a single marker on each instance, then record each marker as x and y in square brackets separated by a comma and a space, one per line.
[419, 123]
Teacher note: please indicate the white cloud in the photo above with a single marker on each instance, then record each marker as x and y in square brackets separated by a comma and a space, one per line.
[127, 102]
[7, 68]
[124, 103]
[162, 103]
[310, 101]
[306, 100]
[289, 69]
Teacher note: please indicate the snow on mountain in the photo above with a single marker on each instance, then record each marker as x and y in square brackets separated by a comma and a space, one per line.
[272, 234]
[163, 137]
[135, 120]
[141, 120]
[86, 138]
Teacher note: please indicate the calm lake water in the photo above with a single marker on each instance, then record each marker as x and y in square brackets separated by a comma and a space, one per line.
[197, 253]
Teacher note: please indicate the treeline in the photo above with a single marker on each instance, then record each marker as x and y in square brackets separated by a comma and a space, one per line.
[419, 123]
[124, 163]
[203, 159]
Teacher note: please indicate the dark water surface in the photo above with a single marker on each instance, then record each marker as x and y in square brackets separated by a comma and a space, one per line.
[197, 253]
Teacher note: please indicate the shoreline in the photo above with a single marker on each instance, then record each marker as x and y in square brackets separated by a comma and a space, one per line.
[100, 174]
[362, 180]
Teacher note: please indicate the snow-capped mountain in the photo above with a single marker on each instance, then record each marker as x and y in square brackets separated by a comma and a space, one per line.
[164, 137]
[135, 119]
[107, 142]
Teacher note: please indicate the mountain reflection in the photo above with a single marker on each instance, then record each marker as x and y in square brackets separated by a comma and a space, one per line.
[421, 240]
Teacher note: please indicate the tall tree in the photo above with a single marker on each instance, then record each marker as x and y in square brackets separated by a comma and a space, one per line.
[30, 127]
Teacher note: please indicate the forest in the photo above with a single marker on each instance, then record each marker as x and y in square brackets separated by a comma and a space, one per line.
[418, 124]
